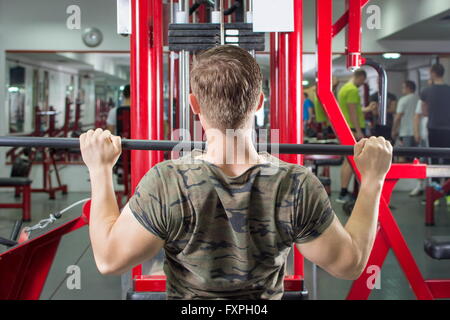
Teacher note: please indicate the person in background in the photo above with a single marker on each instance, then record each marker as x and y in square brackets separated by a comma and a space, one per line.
[403, 127]
[421, 140]
[111, 121]
[320, 115]
[308, 110]
[435, 105]
[350, 104]
[378, 130]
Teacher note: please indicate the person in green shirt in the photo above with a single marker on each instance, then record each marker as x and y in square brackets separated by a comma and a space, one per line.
[350, 104]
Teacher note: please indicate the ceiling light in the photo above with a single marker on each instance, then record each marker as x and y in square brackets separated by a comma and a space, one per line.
[391, 55]
[13, 89]
[305, 82]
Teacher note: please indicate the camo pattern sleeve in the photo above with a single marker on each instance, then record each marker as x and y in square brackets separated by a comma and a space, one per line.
[147, 203]
[313, 213]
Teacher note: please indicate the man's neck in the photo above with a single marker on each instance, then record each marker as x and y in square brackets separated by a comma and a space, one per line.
[126, 102]
[233, 153]
[439, 81]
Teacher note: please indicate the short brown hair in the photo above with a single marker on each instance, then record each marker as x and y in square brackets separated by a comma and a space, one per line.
[227, 82]
[438, 69]
[360, 73]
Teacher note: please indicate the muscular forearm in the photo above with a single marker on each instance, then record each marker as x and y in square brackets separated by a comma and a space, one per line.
[362, 224]
[104, 213]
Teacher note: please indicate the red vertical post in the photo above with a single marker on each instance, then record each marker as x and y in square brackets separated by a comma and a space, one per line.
[354, 31]
[294, 128]
[282, 88]
[274, 75]
[157, 107]
[146, 85]
[295, 94]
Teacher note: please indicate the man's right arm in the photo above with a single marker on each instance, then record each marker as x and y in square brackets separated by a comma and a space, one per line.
[354, 119]
[417, 120]
[424, 109]
[344, 251]
[396, 125]
[111, 120]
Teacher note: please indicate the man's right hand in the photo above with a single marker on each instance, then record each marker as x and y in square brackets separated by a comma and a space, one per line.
[373, 158]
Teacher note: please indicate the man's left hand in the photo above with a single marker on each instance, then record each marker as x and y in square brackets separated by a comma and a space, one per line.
[100, 149]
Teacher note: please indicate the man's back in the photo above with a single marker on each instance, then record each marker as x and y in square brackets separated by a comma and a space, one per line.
[229, 237]
[437, 98]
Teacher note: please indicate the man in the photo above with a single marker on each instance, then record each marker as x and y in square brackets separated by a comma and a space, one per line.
[403, 127]
[386, 130]
[319, 113]
[421, 140]
[111, 121]
[435, 104]
[308, 109]
[350, 104]
[227, 226]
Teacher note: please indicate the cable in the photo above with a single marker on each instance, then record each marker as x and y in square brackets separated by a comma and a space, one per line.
[42, 224]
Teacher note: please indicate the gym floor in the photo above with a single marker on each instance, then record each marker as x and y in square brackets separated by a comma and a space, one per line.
[75, 249]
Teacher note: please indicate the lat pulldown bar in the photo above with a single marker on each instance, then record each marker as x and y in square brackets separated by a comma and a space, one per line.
[282, 148]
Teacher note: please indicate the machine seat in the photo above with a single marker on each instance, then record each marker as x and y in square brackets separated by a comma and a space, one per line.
[438, 247]
[14, 182]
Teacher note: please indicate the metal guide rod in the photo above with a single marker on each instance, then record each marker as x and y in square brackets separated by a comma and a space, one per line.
[164, 145]
[382, 90]
[222, 26]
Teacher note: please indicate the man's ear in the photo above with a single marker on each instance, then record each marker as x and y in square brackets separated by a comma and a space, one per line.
[261, 101]
[195, 106]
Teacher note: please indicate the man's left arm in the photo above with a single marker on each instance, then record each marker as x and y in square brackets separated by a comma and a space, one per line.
[119, 241]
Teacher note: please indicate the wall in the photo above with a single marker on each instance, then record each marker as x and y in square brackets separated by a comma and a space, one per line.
[41, 25]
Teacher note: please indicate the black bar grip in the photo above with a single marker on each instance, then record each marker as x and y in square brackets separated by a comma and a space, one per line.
[165, 145]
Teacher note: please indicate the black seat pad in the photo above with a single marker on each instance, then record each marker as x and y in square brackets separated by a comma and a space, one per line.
[15, 181]
[438, 247]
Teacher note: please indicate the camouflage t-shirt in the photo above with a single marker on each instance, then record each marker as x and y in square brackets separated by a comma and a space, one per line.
[229, 237]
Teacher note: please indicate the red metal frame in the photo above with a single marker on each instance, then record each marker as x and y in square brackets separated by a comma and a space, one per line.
[286, 94]
[146, 86]
[389, 235]
[294, 106]
[24, 268]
